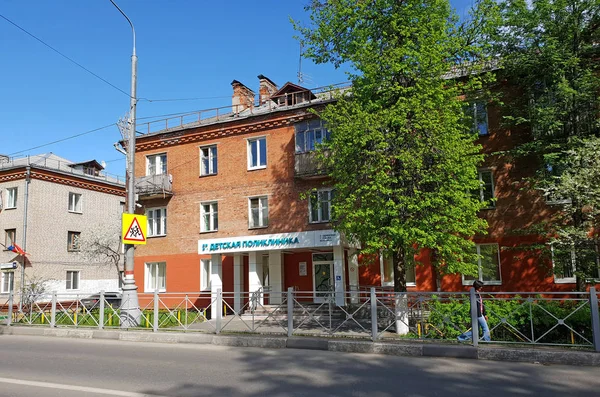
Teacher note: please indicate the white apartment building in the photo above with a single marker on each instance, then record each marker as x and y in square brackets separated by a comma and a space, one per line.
[54, 209]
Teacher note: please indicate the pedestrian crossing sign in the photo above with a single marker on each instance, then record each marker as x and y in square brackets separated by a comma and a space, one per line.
[134, 229]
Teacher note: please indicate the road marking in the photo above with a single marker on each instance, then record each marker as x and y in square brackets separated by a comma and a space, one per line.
[49, 385]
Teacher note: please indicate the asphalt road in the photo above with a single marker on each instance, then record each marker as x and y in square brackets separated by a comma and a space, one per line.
[44, 366]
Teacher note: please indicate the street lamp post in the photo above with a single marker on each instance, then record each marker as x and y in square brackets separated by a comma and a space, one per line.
[130, 308]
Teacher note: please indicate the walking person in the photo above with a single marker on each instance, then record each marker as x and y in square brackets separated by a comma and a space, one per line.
[481, 316]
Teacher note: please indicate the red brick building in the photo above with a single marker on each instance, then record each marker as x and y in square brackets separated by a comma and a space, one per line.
[224, 193]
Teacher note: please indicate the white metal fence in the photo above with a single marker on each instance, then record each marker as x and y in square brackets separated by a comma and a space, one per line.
[549, 318]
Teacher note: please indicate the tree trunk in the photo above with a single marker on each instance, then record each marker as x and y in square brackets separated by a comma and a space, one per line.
[401, 299]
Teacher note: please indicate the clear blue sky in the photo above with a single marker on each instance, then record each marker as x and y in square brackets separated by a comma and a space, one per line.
[186, 49]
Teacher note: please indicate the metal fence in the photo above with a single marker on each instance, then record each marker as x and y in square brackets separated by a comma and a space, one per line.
[526, 318]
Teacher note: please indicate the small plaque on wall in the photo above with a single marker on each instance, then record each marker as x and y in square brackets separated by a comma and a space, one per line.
[302, 269]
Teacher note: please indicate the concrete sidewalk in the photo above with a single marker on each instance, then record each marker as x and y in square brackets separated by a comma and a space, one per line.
[542, 355]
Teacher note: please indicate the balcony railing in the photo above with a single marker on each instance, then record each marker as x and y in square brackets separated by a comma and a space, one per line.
[152, 186]
[308, 166]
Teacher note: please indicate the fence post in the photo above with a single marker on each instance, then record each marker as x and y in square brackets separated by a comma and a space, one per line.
[53, 312]
[373, 315]
[595, 318]
[290, 311]
[101, 312]
[10, 307]
[155, 319]
[219, 314]
[474, 321]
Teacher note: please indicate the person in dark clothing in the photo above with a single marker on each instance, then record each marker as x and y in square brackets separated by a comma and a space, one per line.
[481, 316]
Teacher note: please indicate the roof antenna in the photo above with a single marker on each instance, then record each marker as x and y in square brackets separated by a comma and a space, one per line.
[300, 76]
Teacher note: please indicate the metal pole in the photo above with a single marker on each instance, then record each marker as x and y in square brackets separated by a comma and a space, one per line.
[155, 322]
[101, 311]
[474, 321]
[290, 311]
[595, 318]
[10, 307]
[219, 304]
[23, 258]
[130, 312]
[53, 312]
[373, 315]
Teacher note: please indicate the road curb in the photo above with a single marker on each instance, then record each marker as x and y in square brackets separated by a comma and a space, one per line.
[410, 349]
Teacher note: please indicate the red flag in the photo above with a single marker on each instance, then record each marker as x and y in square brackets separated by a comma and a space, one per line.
[16, 249]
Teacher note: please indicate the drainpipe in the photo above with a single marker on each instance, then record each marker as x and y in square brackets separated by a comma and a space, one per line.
[26, 198]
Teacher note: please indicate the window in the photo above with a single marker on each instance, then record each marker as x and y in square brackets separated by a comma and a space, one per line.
[259, 212]
[205, 274]
[208, 160]
[11, 197]
[309, 134]
[488, 265]
[73, 279]
[478, 111]
[257, 153]
[156, 279]
[75, 202]
[7, 282]
[157, 222]
[210, 219]
[156, 164]
[10, 237]
[552, 195]
[566, 260]
[320, 206]
[73, 241]
[387, 270]
[486, 187]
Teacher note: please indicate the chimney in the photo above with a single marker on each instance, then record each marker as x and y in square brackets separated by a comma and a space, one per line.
[243, 97]
[266, 89]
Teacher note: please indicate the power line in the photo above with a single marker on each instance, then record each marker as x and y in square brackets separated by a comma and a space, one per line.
[63, 139]
[183, 99]
[99, 77]
[64, 56]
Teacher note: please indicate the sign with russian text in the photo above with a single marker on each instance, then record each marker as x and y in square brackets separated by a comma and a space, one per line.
[268, 242]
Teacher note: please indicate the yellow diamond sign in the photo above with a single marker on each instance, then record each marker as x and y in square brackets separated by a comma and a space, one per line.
[134, 228]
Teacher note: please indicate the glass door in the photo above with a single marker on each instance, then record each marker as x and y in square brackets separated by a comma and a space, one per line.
[322, 276]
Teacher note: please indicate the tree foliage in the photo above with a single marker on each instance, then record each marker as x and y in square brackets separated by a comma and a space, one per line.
[550, 51]
[402, 155]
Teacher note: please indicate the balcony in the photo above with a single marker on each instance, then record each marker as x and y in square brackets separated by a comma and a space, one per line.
[153, 186]
[307, 166]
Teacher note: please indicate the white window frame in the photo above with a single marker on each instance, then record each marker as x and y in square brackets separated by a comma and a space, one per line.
[263, 203]
[321, 218]
[9, 279]
[387, 260]
[211, 158]
[565, 280]
[153, 221]
[156, 164]
[250, 141]
[73, 241]
[213, 214]
[75, 202]
[480, 269]
[11, 197]
[482, 189]
[205, 274]
[74, 279]
[149, 267]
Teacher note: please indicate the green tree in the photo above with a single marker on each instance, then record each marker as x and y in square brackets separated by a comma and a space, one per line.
[549, 51]
[402, 155]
